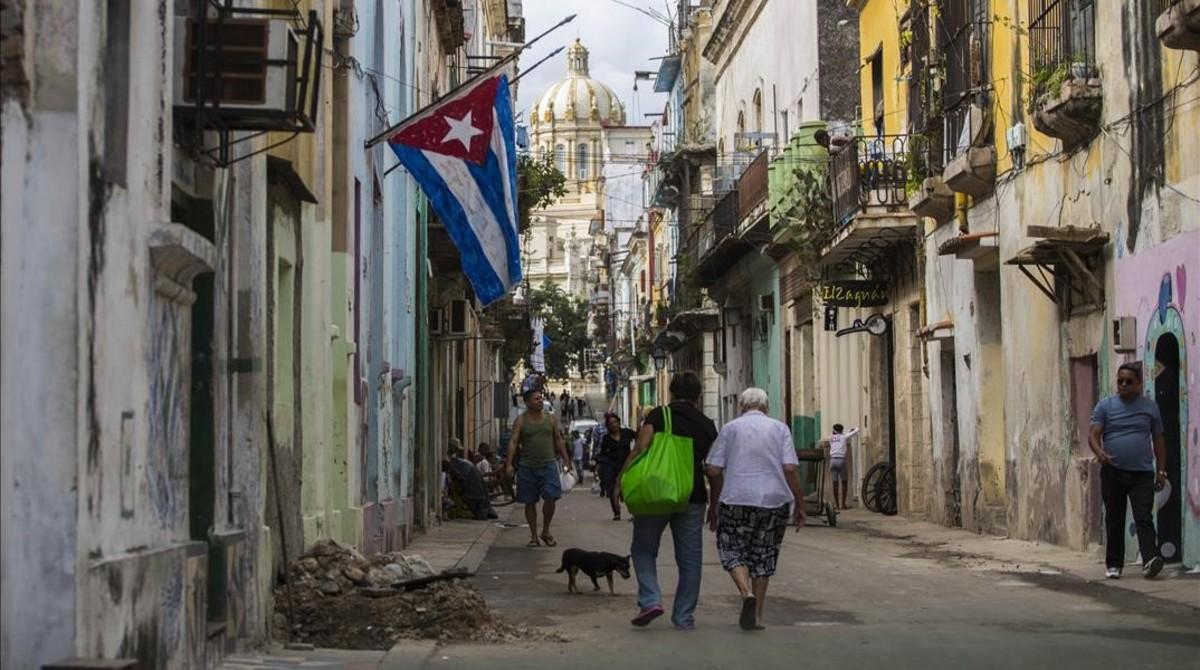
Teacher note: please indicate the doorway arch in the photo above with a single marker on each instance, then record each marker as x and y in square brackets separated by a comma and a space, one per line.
[1166, 383]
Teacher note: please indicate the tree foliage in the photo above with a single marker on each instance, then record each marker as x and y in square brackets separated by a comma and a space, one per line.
[539, 184]
[565, 323]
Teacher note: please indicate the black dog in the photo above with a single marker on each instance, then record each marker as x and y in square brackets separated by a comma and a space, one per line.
[593, 564]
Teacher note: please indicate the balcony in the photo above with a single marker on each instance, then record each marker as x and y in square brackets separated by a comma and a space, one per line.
[1066, 96]
[1178, 23]
[868, 186]
[970, 155]
[448, 14]
[717, 246]
[1072, 112]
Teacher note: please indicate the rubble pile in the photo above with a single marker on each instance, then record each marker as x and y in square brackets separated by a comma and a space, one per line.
[337, 598]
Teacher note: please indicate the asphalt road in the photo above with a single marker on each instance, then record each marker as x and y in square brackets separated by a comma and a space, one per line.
[842, 598]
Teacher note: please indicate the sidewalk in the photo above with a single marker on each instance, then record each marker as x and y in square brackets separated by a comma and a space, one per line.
[460, 543]
[988, 552]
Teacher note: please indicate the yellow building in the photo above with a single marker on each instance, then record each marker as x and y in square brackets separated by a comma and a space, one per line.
[1050, 147]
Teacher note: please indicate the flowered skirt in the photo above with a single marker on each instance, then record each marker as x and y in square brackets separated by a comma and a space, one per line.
[750, 537]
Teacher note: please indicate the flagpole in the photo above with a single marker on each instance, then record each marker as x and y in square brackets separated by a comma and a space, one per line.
[523, 73]
[529, 69]
[500, 63]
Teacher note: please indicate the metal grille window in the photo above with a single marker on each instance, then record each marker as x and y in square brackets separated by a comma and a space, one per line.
[963, 38]
[1062, 34]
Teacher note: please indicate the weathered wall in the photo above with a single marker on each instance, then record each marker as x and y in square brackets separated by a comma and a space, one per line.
[44, 190]
[754, 60]
[1153, 285]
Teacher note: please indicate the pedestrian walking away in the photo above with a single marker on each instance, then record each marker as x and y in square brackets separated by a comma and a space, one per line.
[537, 448]
[687, 526]
[753, 470]
[839, 456]
[614, 450]
[1128, 439]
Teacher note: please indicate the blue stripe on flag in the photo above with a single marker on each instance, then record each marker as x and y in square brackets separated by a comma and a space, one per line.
[484, 280]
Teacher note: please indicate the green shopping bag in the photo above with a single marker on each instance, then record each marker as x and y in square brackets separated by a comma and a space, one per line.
[659, 482]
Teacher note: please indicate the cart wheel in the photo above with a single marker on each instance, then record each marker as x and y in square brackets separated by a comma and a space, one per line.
[870, 486]
[887, 493]
[830, 515]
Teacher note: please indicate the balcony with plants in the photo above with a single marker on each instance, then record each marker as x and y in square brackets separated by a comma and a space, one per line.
[869, 182]
[1066, 95]
[1177, 23]
[801, 212]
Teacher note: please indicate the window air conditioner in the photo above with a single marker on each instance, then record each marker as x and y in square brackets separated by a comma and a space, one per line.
[246, 54]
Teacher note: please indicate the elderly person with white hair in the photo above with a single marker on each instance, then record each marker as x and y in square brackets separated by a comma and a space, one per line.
[752, 470]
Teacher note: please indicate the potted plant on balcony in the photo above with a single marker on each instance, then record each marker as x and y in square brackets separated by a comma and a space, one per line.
[1066, 101]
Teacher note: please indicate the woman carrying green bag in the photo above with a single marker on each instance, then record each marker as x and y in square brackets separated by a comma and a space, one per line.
[663, 485]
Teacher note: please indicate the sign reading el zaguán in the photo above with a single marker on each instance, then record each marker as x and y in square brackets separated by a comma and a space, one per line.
[853, 293]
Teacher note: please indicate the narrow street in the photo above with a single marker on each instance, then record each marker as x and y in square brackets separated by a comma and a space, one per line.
[843, 597]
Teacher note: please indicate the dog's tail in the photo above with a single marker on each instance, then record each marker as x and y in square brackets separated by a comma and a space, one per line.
[561, 568]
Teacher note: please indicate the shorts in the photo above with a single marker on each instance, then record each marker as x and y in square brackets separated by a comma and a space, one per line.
[837, 468]
[750, 537]
[538, 482]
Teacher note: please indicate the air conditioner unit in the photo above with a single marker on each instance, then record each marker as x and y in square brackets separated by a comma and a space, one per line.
[766, 302]
[436, 319]
[458, 317]
[1125, 334]
[250, 65]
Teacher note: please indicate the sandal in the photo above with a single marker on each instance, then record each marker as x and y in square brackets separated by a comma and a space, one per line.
[747, 616]
[533, 543]
[549, 540]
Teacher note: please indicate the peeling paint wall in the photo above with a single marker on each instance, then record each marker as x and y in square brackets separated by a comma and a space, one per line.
[1139, 181]
[101, 293]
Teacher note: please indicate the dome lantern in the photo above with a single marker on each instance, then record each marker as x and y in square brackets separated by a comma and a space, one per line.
[577, 59]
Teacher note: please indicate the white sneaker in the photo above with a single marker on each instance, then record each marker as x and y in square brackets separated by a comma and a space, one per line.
[1113, 573]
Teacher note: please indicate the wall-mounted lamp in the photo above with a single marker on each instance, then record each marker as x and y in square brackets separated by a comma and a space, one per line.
[660, 358]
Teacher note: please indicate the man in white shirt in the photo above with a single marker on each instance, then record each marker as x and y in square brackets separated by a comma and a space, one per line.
[839, 455]
[753, 473]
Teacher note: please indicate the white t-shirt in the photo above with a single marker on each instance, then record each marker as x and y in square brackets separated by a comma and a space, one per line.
[838, 442]
[484, 467]
[578, 449]
[752, 449]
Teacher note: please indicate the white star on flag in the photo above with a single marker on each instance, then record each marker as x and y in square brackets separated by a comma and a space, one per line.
[461, 130]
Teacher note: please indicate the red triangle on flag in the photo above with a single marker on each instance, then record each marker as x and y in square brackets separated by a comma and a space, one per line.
[460, 127]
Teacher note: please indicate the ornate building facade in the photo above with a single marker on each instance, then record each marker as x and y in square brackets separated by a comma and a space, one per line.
[569, 121]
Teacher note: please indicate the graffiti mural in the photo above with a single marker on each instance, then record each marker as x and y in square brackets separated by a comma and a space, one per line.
[1153, 286]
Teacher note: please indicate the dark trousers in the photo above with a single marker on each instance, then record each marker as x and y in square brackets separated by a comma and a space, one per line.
[1115, 486]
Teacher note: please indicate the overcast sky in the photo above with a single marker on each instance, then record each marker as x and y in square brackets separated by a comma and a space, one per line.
[619, 40]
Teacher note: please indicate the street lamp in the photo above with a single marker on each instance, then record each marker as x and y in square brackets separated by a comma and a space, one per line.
[660, 358]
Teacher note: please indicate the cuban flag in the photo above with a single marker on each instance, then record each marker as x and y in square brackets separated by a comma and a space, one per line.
[462, 152]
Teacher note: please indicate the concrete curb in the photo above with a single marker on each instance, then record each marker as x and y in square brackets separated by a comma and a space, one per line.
[478, 550]
[408, 655]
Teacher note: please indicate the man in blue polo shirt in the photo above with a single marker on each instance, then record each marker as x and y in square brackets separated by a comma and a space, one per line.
[1123, 428]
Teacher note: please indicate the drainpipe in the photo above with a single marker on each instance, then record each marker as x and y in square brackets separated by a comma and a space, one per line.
[962, 204]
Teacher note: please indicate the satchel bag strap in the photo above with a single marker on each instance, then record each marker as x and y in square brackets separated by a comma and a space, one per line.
[666, 412]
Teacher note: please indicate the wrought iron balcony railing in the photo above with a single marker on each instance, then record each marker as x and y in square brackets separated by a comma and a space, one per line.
[870, 171]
